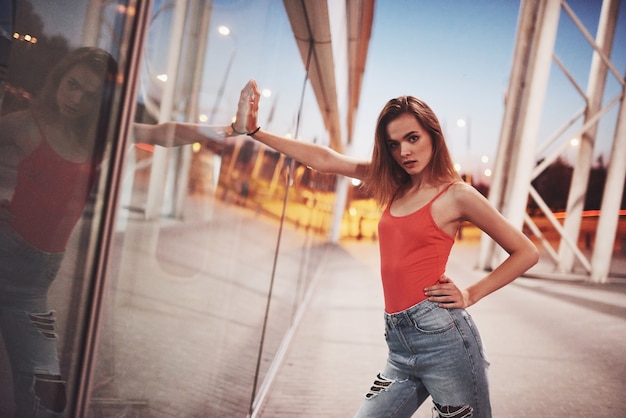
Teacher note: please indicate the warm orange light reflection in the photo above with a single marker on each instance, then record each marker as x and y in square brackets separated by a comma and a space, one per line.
[586, 214]
[145, 147]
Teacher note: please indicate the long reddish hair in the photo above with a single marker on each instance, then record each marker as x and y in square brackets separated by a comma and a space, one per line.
[95, 123]
[386, 178]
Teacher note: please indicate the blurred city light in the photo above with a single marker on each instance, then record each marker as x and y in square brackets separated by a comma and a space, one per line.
[223, 30]
[25, 38]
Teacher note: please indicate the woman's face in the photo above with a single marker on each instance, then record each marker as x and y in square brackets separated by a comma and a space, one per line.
[409, 143]
[79, 92]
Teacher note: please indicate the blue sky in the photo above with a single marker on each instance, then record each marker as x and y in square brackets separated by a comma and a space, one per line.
[457, 56]
[454, 54]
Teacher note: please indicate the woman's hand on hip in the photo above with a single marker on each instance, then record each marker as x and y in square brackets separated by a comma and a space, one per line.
[447, 294]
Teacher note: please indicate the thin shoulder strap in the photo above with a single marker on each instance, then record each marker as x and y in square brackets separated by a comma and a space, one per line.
[41, 132]
[441, 192]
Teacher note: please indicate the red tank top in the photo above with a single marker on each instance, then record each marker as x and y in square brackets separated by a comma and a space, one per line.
[413, 255]
[49, 198]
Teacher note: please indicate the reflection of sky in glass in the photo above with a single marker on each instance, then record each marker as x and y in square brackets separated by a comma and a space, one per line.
[61, 17]
[456, 55]
[5, 18]
[6, 31]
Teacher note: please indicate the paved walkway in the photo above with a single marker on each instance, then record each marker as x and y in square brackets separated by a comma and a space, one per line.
[556, 347]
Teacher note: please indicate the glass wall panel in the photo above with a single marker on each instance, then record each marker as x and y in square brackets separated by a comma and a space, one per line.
[61, 116]
[214, 247]
[143, 277]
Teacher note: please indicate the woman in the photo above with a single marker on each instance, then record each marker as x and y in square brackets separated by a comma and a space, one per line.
[56, 147]
[434, 346]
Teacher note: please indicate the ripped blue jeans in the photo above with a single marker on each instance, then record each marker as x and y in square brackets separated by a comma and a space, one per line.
[433, 352]
[28, 326]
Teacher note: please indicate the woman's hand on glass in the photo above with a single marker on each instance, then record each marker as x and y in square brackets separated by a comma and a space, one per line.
[246, 120]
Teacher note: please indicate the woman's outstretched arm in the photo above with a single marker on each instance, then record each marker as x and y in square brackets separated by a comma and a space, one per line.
[173, 134]
[316, 156]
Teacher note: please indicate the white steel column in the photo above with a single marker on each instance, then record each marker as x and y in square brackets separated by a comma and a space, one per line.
[341, 197]
[525, 31]
[91, 24]
[611, 200]
[595, 90]
[520, 168]
[156, 185]
[192, 67]
[531, 69]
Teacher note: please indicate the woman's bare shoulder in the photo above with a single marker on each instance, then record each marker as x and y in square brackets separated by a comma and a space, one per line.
[461, 190]
[466, 198]
[17, 128]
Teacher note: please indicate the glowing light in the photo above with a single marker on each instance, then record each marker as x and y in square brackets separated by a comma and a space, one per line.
[266, 93]
[574, 142]
[126, 10]
[355, 182]
[223, 30]
[484, 159]
[457, 167]
[25, 38]
[145, 147]
[460, 123]
[162, 77]
[196, 147]
[487, 172]
[203, 118]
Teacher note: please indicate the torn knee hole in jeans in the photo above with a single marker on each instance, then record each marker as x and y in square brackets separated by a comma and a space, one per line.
[44, 322]
[381, 383]
[446, 411]
[50, 390]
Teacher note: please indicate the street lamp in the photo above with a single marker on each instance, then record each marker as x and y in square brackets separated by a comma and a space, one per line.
[225, 31]
[465, 123]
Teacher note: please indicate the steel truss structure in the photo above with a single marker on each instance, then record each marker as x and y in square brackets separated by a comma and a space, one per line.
[516, 161]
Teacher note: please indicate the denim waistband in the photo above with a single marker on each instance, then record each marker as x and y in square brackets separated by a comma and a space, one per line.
[414, 311]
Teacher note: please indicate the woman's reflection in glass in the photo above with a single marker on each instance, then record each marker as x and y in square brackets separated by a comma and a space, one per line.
[58, 144]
